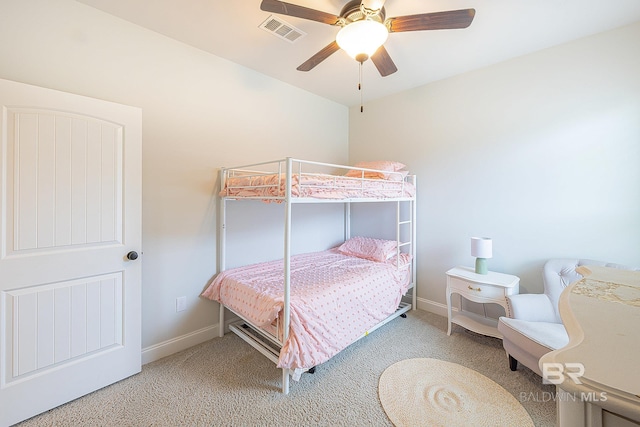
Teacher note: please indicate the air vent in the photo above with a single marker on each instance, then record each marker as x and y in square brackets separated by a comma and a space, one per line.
[282, 29]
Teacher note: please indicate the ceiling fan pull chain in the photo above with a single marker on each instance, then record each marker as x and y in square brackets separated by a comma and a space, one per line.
[360, 86]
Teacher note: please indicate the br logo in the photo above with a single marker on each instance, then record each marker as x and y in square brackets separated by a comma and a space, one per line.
[556, 373]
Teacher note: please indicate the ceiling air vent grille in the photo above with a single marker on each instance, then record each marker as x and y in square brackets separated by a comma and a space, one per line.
[281, 29]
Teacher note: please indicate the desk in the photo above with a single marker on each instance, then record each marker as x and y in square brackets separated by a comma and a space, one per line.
[601, 313]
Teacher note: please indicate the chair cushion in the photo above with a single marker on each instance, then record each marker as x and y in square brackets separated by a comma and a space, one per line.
[550, 335]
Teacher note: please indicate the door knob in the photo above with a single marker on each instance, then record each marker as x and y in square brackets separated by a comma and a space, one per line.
[133, 255]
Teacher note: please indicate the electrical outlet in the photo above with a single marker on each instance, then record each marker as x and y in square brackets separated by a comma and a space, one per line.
[181, 304]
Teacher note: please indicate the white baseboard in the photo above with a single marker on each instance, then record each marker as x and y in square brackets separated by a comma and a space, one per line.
[441, 309]
[433, 307]
[174, 345]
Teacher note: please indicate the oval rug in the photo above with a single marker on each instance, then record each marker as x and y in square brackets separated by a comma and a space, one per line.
[432, 392]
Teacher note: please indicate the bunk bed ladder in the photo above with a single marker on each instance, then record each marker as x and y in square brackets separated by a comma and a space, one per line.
[411, 233]
[414, 236]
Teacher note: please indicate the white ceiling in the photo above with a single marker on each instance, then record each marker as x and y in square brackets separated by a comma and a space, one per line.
[502, 29]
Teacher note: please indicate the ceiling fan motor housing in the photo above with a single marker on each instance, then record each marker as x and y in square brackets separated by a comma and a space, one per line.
[352, 12]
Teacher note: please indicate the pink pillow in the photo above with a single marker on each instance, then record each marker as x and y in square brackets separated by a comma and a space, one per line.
[368, 248]
[404, 259]
[380, 165]
[398, 176]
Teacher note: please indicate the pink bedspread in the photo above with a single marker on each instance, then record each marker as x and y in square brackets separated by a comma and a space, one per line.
[335, 299]
[319, 186]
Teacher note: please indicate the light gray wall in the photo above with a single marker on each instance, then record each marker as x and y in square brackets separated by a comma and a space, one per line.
[541, 153]
[200, 112]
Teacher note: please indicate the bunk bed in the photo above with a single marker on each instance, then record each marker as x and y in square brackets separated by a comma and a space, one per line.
[299, 330]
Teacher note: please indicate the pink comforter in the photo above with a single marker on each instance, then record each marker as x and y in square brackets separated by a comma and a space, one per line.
[317, 186]
[334, 300]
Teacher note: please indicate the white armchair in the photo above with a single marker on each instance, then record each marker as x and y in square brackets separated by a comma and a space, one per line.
[535, 327]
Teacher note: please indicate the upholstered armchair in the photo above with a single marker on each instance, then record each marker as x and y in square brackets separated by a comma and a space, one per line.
[535, 327]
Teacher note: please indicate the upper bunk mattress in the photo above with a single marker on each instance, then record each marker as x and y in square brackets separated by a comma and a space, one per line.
[334, 300]
[319, 186]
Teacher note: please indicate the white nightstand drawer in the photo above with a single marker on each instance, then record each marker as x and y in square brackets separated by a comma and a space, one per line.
[474, 290]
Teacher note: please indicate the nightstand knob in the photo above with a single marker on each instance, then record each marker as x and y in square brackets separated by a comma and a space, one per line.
[474, 289]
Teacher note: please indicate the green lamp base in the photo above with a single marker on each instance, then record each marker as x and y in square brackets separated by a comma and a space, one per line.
[481, 266]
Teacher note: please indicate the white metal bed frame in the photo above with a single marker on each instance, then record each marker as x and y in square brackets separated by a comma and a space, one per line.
[268, 343]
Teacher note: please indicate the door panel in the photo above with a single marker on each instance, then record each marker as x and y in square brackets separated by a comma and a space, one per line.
[70, 211]
[65, 180]
[55, 323]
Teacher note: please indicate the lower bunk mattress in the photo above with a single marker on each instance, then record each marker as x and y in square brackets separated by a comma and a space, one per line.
[334, 300]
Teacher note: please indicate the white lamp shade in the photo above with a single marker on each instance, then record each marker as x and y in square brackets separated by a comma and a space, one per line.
[481, 247]
[362, 37]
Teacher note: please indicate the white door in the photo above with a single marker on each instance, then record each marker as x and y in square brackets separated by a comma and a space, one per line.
[70, 212]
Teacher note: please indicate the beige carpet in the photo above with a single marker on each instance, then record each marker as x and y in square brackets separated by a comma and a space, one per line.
[226, 382]
[433, 392]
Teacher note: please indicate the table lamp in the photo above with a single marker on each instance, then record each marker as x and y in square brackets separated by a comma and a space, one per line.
[481, 249]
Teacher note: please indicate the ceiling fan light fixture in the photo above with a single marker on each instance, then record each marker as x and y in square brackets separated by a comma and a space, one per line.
[361, 39]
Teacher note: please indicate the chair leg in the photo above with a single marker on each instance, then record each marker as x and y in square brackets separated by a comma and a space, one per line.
[513, 363]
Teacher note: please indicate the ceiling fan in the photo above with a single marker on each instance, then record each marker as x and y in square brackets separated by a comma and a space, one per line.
[365, 29]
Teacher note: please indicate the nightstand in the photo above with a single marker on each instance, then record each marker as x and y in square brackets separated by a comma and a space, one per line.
[482, 288]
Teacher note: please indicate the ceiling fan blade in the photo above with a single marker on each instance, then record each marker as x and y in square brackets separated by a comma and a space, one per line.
[283, 8]
[432, 21]
[319, 57]
[383, 62]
